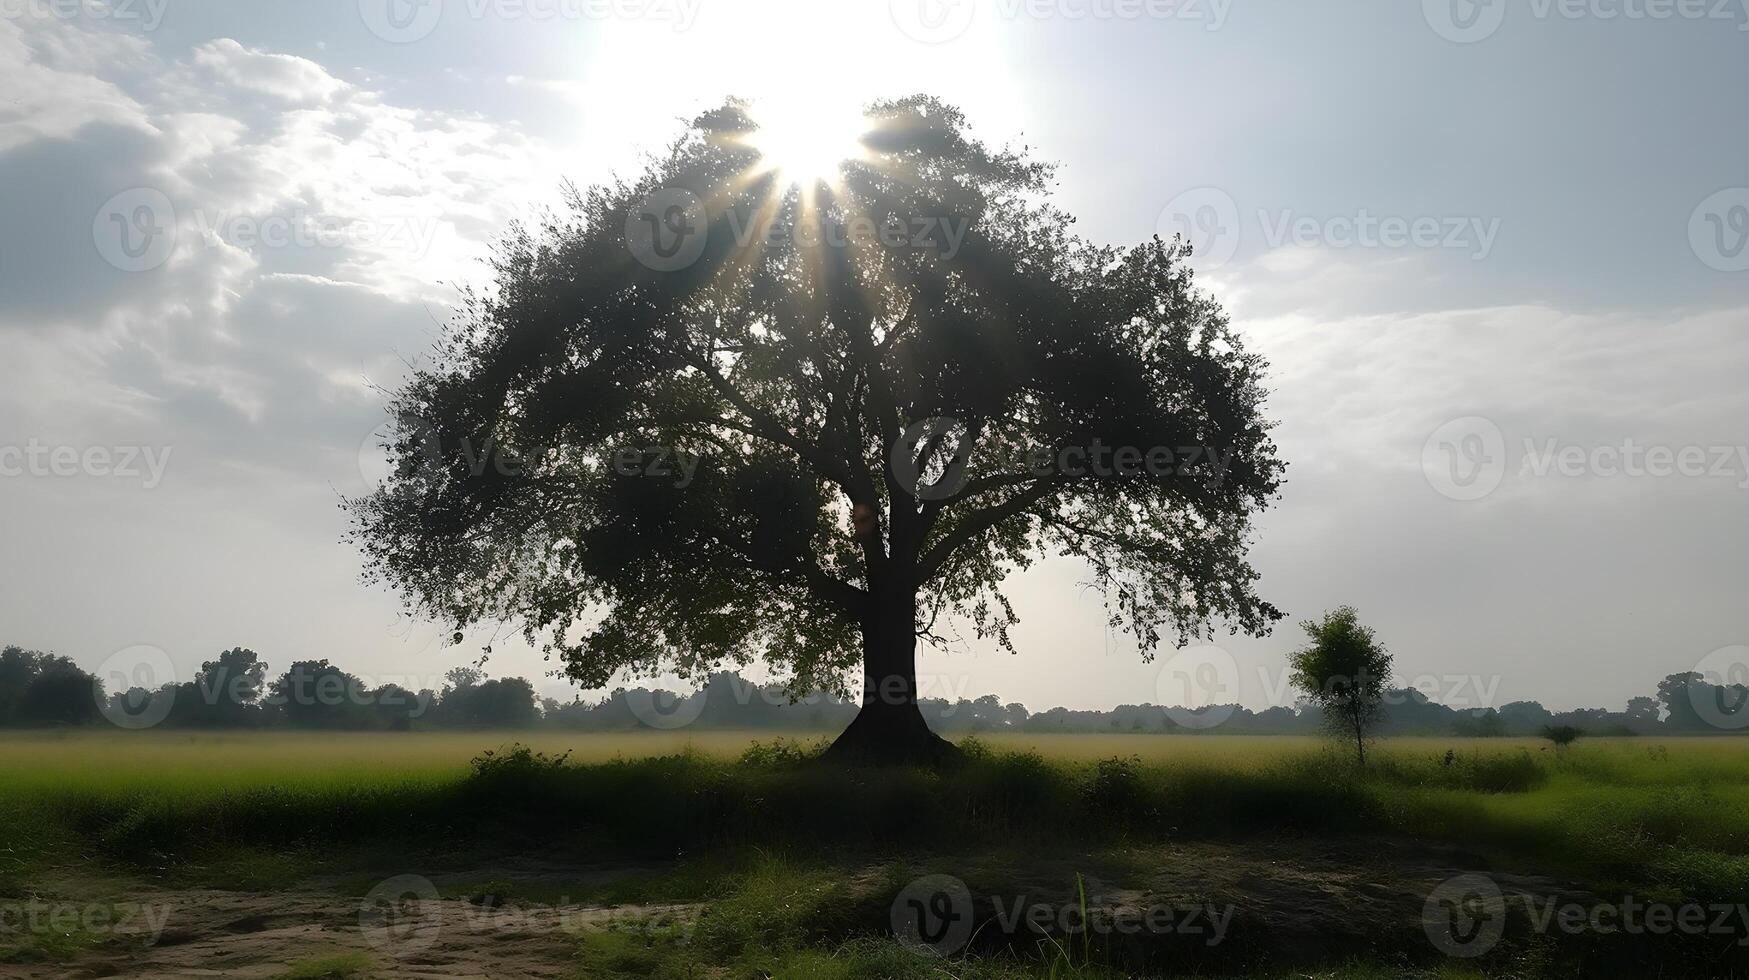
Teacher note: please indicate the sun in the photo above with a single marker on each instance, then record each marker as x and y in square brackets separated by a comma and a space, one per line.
[807, 142]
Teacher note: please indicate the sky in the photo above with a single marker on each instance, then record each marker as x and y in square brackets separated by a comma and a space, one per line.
[1495, 254]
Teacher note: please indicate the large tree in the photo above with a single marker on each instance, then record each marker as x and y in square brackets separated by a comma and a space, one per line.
[713, 415]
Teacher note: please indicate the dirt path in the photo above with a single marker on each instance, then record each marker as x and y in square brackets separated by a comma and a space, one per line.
[1304, 896]
[260, 936]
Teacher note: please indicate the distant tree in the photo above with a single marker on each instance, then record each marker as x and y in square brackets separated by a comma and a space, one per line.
[226, 691]
[17, 667]
[317, 694]
[399, 709]
[1487, 723]
[1643, 709]
[459, 678]
[801, 451]
[1693, 703]
[45, 689]
[1343, 670]
[503, 703]
[1678, 701]
[1562, 735]
[59, 694]
[1413, 712]
[237, 677]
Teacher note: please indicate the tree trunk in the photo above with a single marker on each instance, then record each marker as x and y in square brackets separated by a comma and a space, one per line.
[889, 729]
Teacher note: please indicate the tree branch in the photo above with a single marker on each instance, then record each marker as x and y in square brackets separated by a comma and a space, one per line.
[979, 522]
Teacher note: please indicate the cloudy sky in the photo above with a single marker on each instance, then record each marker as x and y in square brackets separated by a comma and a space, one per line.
[1495, 253]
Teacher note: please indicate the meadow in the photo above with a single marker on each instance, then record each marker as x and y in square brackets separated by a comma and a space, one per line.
[791, 868]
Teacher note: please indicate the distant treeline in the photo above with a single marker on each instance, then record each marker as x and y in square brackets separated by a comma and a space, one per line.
[237, 690]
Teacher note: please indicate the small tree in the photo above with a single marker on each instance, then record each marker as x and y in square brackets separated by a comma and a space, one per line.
[1343, 670]
[1562, 735]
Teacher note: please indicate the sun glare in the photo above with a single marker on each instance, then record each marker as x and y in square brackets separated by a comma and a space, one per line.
[807, 143]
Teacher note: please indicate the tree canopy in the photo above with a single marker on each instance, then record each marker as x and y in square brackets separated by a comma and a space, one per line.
[646, 442]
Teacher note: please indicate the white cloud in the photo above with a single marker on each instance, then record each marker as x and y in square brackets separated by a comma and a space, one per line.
[282, 76]
[50, 77]
[313, 233]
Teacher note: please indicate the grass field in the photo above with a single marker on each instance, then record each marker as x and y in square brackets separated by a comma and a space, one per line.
[699, 818]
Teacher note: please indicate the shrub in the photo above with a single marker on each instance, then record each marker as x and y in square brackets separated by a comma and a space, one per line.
[1116, 789]
[782, 753]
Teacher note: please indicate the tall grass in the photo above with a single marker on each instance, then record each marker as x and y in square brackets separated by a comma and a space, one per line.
[1672, 812]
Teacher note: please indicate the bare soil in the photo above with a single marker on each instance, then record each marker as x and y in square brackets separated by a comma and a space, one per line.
[1305, 898]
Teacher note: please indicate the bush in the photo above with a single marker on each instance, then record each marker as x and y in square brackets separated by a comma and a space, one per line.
[1116, 790]
[782, 753]
[518, 762]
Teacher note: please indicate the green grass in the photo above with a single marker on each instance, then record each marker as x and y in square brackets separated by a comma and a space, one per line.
[1674, 812]
[335, 966]
[1664, 817]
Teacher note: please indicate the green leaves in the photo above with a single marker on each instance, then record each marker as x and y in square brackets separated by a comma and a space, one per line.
[781, 367]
